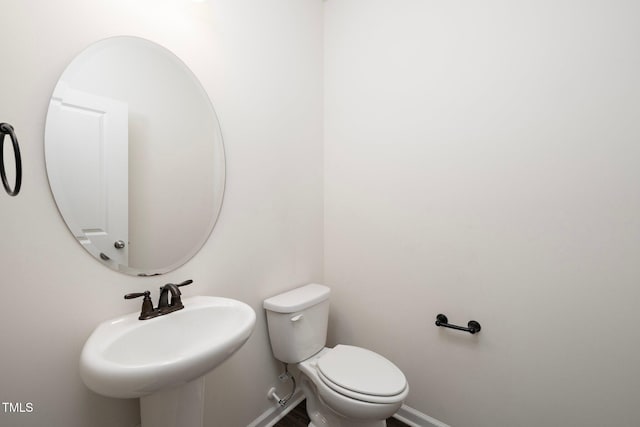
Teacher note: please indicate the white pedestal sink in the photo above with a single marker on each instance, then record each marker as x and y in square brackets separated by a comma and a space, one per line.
[162, 360]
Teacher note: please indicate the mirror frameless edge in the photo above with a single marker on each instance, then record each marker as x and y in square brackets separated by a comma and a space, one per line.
[134, 156]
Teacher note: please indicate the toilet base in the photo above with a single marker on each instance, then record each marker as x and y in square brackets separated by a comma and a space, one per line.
[323, 416]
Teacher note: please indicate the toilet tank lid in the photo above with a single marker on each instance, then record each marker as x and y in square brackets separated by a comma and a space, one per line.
[297, 299]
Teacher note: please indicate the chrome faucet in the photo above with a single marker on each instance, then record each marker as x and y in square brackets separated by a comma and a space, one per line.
[164, 306]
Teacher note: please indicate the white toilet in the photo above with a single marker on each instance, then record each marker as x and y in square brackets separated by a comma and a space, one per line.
[345, 386]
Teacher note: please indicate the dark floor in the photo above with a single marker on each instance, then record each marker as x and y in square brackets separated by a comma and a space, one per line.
[298, 418]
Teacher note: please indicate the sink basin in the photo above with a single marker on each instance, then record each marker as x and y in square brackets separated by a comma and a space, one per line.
[129, 358]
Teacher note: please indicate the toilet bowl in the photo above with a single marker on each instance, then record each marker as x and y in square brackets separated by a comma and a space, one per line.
[359, 386]
[345, 386]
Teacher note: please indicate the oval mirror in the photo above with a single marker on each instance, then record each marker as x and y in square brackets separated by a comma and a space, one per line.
[134, 156]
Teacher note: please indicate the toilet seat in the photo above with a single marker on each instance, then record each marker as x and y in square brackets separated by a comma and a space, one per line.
[361, 374]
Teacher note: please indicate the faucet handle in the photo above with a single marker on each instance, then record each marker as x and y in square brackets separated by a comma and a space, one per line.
[147, 311]
[138, 294]
[185, 283]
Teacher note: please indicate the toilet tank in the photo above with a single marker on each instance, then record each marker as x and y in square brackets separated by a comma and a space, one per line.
[297, 322]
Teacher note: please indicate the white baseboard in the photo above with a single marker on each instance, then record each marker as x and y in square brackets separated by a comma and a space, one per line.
[275, 414]
[406, 414]
[415, 418]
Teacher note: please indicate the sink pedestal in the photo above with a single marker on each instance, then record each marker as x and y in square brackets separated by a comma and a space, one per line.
[181, 406]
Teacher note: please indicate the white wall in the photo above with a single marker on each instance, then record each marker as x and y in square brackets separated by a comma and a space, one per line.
[482, 161]
[262, 66]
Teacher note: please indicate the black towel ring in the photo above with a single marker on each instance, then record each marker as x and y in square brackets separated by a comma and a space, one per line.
[7, 129]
